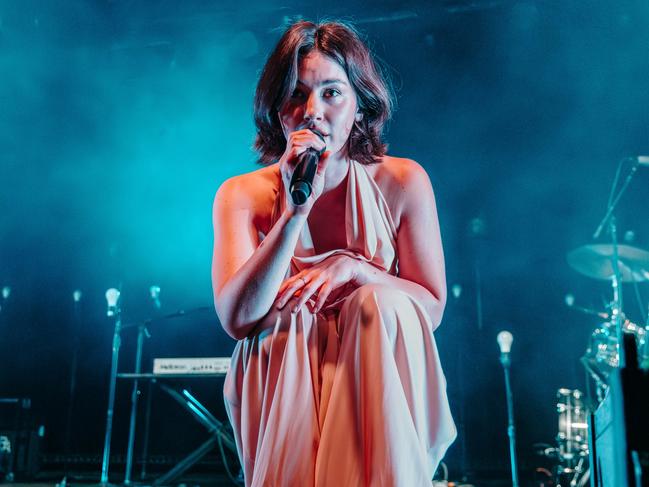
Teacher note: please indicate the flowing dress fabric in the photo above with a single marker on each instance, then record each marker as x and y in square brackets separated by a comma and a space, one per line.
[353, 395]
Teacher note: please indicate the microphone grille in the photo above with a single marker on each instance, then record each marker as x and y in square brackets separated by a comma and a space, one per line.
[505, 340]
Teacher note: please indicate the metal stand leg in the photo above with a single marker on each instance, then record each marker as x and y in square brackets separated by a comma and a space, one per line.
[203, 416]
[134, 397]
[73, 382]
[111, 399]
[147, 424]
[511, 430]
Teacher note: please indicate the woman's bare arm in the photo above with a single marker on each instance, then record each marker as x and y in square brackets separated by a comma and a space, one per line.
[246, 275]
[419, 250]
[419, 247]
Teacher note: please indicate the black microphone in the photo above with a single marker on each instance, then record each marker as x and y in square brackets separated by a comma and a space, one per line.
[302, 178]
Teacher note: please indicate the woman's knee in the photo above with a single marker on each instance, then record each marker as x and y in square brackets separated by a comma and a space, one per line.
[377, 303]
[378, 296]
[272, 328]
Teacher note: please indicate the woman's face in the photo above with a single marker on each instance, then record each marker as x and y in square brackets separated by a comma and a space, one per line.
[323, 99]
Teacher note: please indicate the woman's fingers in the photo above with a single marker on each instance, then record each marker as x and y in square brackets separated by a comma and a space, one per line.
[287, 293]
[323, 294]
[323, 163]
[306, 294]
[303, 140]
[317, 282]
[290, 287]
[286, 283]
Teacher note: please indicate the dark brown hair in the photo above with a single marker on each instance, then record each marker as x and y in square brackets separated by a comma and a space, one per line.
[278, 79]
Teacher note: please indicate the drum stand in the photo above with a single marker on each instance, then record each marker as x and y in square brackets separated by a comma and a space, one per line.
[619, 426]
[616, 278]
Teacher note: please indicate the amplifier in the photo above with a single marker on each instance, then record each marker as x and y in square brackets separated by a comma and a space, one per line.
[619, 439]
[19, 442]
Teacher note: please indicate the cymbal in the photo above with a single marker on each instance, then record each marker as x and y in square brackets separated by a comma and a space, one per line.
[595, 261]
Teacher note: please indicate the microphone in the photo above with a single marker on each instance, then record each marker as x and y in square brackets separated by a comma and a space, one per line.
[302, 178]
[6, 291]
[505, 340]
[569, 299]
[641, 160]
[112, 298]
[154, 291]
[456, 290]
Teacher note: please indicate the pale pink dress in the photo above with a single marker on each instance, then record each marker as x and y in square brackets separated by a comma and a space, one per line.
[351, 396]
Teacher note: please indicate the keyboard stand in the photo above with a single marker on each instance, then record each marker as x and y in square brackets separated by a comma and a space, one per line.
[200, 413]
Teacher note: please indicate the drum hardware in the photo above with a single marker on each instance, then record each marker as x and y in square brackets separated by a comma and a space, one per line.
[601, 355]
[626, 262]
[573, 427]
[619, 427]
[594, 261]
[570, 454]
[605, 360]
[570, 302]
[603, 351]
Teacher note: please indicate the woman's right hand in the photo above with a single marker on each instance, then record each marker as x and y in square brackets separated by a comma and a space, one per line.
[298, 142]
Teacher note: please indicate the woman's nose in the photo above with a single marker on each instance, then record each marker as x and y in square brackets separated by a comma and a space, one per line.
[313, 108]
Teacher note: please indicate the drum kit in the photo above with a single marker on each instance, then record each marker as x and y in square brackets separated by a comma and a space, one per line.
[602, 354]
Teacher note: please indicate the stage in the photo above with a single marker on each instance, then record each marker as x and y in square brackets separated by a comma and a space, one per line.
[121, 119]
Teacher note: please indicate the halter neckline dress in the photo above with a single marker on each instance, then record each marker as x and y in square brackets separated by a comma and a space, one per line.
[353, 395]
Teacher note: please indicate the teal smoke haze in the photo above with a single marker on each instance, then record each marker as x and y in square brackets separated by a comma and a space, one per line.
[116, 146]
[119, 119]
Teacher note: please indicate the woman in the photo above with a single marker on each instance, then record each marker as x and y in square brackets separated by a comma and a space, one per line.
[335, 379]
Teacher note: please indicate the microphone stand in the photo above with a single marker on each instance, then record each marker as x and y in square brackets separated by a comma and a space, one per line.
[73, 379]
[111, 394]
[141, 332]
[616, 278]
[645, 361]
[477, 232]
[511, 430]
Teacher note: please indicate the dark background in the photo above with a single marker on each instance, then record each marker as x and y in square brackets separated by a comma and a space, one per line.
[120, 119]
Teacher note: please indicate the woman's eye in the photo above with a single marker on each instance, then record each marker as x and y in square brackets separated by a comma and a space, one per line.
[331, 93]
[296, 94]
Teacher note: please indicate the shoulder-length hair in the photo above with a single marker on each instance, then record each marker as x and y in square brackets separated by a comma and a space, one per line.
[341, 42]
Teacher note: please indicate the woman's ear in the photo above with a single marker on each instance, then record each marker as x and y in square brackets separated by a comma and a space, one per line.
[359, 116]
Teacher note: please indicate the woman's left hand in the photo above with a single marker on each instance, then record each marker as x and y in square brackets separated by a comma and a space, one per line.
[320, 279]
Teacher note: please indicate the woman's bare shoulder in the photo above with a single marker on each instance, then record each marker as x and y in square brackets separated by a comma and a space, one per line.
[397, 171]
[400, 180]
[253, 189]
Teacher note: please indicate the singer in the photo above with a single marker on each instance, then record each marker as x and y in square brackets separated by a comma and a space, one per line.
[335, 379]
